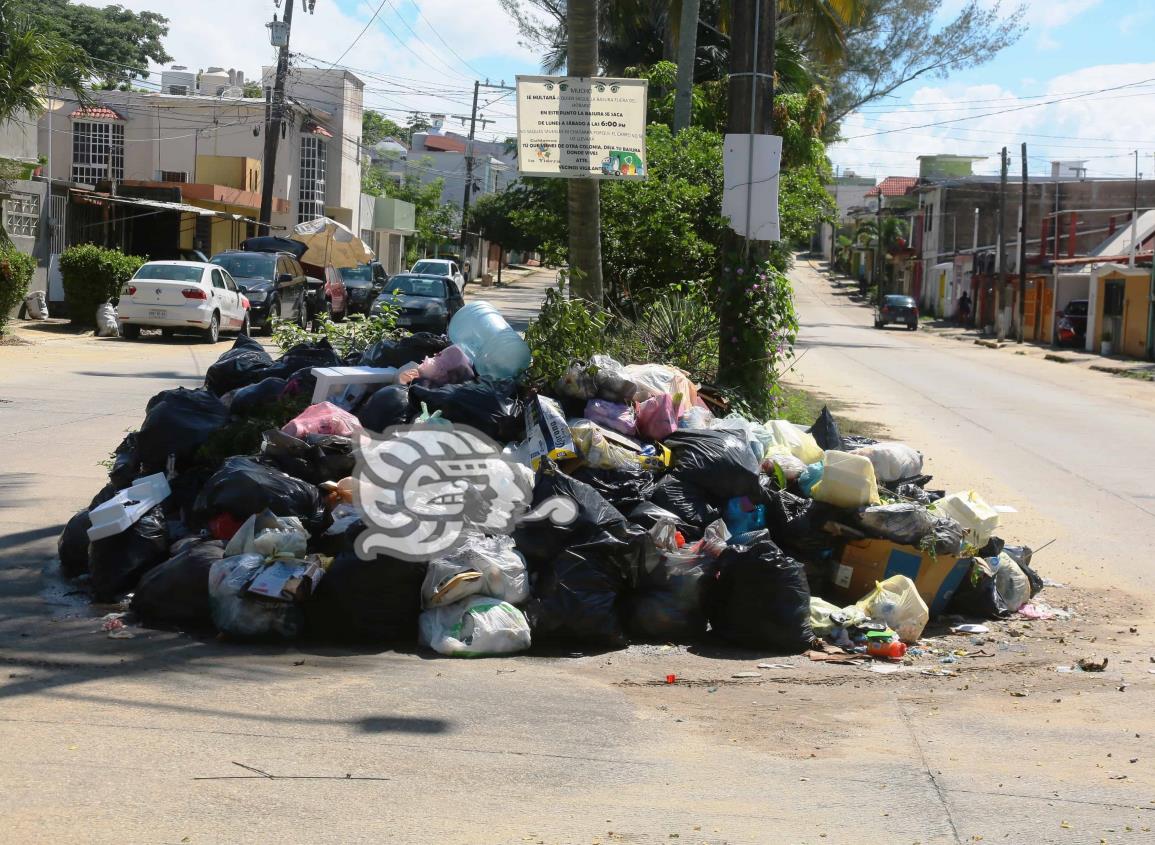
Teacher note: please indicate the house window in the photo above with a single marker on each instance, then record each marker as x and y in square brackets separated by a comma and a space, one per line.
[311, 185]
[97, 152]
[22, 214]
[174, 176]
[930, 217]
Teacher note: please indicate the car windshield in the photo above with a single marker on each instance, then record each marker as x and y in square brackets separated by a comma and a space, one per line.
[170, 272]
[361, 273]
[247, 266]
[1077, 308]
[899, 301]
[415, 286]
[438, 268]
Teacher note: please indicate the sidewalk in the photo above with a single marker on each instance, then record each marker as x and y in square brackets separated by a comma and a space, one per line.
[519, 296]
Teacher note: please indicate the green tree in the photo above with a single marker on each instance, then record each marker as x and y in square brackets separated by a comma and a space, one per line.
[493, 215]
[376, 127]
[434, 221]
[120, 43]
[33, 55]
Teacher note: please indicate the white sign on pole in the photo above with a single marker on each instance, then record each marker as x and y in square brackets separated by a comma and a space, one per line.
[760, 170]
[576, 127]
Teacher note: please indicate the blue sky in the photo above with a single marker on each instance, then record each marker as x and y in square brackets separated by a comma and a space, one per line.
[1071, 47]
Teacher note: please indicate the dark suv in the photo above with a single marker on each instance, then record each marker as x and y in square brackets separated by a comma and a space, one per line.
[274, 282]
[362, 285]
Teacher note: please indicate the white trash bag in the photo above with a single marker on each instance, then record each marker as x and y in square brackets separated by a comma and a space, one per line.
[36, 305]
[475, 627]
[892, 461]
[1011, 583]
[486, 566]
[106, 324]
[896, 602]
[238, 613]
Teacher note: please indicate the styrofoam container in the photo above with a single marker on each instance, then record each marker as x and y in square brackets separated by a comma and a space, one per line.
[971, 511]
[332, 381]
[127, 506]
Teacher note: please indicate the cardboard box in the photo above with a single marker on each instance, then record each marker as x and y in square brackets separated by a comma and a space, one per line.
[864, 562]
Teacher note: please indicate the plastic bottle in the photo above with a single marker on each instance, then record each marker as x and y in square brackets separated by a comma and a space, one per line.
[890, 649]
[497, 351]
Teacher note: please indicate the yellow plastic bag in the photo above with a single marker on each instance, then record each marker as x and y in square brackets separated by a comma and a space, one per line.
[896, 602]
[788, 437]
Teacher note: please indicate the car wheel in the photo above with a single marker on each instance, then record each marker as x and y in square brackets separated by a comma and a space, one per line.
[274, 312]
[213, 333]
[878, 324]
[131, 332]
[167, 334]
[912, 326]
[246, 327]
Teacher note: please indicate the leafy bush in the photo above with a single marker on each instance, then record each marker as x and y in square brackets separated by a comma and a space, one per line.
[94, 275]
[15, 273]
[565, 330]
[356, 334]
[243, 436]
[680, 327]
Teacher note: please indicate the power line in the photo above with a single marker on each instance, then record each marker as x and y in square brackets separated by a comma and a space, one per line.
[362, 32]
[433, 29]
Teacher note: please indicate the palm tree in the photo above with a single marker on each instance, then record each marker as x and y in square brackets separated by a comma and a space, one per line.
[32, 58]
[585, 225]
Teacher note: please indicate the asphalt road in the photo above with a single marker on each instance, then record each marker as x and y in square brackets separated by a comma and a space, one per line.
[141, 740]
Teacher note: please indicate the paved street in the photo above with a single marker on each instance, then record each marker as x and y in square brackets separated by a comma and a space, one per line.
[136, 740]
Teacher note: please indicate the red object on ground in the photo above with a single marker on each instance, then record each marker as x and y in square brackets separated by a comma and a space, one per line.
[893, 650]
[223, 526]
[671, 679]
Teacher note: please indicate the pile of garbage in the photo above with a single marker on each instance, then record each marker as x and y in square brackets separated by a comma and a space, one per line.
[687, 520]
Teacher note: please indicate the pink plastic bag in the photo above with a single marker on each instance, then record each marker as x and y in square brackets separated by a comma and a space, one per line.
[612, 415]
[657, 417]
[322, 418]
[449, 366]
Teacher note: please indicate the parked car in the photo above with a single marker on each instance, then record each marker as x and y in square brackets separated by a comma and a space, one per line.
[328, 295]
[182, 295]
[363, 283]
[440, 267]
[896, 308]
[425, 303]
[1072, 323]
[274, 282]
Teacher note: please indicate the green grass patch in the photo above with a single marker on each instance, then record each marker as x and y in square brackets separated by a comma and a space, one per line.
[802, 407]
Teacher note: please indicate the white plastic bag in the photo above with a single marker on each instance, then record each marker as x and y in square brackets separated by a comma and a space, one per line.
[897, 603]
[270, 537]
[36, 305]
[788, 437]
[1011, 583]
[238, 613]
[475, 627]
[656, 379]
[757, 435]
[486, 566]
[106, 324]
[892, 461]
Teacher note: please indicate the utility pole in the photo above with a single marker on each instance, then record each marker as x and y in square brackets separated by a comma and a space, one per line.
[687, 55]
[275, 122]
[1023, 251]
[878, 251]
[469, 175]
[1000, 256]
[751, 90]
[1134, 215]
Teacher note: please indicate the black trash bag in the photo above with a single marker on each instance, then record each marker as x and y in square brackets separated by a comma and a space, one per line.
[73, 545]
[761, 599]
[480, 405]
[244, 486]
[902, 522]
[125, 462]
[670, 603]
[917, 493]
[978, 595]
[176, 593]
[116, 563]
[248, 400]
[1022, 556]
[388, 406]
[366, 601]
[624, 488]
[826, 433]
[576, 596]
[302, 383]
[541, 540]
[993, 548]
[720, 463]
[103, 495]
[687, 502]
[305, 355]
[412, 349]
[795, 523]
[850, 442]
[647, 514]
[178, 422]
[246, 363]
[316, 459]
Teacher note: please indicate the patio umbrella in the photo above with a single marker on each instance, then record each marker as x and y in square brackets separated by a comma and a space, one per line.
[330, 242]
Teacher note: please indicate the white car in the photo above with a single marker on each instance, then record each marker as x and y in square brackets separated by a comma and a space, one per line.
[182, 295]
[440, 267]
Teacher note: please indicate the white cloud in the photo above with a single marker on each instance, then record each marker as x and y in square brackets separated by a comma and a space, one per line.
[424, 74]
[1101, 128]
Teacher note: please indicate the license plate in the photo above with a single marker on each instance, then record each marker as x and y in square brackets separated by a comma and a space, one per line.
[158, 314]
[402, 320]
